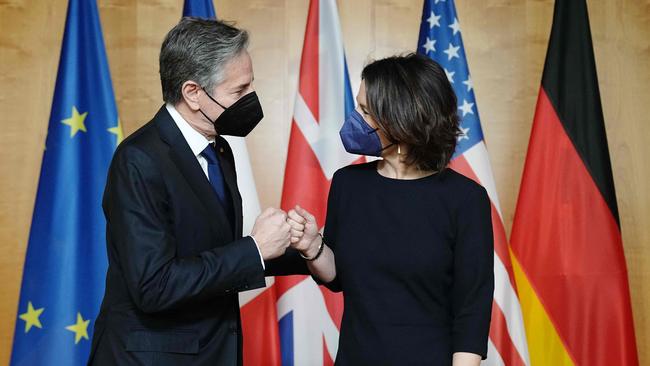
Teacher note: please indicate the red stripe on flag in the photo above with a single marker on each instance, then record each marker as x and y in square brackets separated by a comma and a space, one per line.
[260, 330]
[569, 246]
[305, 183]
[285, 283]
[327, 360]
[309, 64]
[501, 338]
[334, 304]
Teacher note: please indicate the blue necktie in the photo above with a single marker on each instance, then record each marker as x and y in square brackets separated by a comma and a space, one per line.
[215, 176]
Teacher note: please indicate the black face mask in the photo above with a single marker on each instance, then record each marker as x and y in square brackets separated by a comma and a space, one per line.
[240, 118]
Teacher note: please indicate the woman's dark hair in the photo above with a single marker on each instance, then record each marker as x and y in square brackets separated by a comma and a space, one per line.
[414, 104]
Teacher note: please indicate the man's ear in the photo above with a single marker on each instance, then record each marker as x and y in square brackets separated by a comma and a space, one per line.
[190, 91]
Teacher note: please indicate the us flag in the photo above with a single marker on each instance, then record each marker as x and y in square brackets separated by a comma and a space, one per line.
[440, 38]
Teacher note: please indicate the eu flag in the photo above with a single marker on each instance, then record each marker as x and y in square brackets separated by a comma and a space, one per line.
[65, 265]
[199, 8]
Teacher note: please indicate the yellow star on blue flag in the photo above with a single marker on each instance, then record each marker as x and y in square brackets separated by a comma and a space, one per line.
[80, 328]
[31, 317]
[75, 121]
[117, 131]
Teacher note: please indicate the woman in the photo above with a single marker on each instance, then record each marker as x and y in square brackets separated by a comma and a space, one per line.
[407, 240]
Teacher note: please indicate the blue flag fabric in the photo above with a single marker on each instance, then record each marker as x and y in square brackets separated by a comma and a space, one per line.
[65, 266]
[440, 39]
[199, 8]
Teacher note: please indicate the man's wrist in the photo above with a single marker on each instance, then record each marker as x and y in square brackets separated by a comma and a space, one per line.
[259, 250]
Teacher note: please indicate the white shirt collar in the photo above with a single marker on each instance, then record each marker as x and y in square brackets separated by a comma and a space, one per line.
[197, 142]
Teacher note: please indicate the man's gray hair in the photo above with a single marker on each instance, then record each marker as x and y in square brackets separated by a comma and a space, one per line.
[197, 49]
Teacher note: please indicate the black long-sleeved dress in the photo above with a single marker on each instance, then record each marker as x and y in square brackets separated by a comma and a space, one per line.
[414, 259]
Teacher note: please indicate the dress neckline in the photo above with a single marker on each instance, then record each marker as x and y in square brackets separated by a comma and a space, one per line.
[375, 166]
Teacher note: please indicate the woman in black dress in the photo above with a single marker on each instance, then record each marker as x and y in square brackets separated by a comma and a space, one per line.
[407, 240]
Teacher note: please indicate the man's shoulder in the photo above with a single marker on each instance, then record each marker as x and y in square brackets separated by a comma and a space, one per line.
[143, 136]
[143, 145]
[147, 137]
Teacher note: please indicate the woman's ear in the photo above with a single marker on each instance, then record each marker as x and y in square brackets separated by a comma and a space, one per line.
[190, 91]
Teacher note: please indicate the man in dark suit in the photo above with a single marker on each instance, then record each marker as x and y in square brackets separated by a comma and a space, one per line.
[177, 259]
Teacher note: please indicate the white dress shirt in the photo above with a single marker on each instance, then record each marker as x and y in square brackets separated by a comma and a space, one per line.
[197, 143]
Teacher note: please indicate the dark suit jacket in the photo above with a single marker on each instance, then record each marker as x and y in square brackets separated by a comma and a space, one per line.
[176, 262]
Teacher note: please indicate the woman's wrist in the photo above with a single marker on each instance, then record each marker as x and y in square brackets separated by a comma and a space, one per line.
[315, 249]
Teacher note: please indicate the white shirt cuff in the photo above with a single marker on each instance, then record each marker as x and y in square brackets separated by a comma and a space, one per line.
[258, 251]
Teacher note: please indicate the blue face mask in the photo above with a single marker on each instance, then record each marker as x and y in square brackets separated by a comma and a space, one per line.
[359, 138]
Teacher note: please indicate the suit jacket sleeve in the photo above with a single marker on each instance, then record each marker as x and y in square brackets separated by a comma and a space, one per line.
[288, 264]
[137, 212]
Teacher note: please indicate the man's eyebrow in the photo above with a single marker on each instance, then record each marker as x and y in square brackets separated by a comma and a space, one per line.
[242, 85]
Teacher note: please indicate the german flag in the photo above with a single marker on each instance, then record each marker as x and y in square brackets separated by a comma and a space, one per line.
[566, 240]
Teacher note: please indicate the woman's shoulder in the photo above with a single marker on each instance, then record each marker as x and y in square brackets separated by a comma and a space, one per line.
[356, 170]
[460, 184]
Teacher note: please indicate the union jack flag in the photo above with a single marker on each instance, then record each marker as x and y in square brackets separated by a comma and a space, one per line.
[310, 316]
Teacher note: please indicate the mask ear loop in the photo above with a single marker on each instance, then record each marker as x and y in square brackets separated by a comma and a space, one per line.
[399, 151]
[214, 100]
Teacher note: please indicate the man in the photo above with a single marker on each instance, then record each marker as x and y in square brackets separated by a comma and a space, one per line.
[177, 259]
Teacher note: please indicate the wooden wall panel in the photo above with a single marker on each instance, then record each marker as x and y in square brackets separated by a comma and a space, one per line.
[505, 41]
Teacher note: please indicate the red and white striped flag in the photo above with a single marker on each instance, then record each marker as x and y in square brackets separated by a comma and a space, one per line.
[440, 38]
[309, 316]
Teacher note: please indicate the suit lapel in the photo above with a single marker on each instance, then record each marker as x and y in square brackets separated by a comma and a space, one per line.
[181, 154]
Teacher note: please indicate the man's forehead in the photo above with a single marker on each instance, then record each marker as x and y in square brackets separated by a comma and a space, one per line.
[239, 70]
